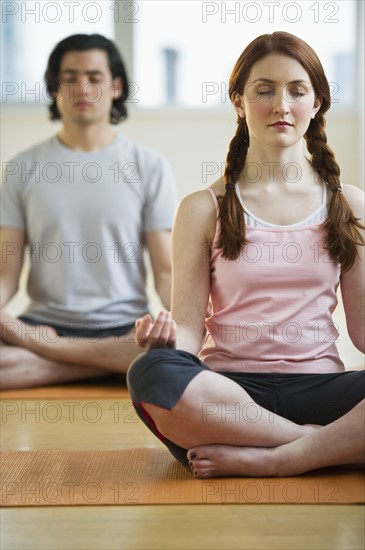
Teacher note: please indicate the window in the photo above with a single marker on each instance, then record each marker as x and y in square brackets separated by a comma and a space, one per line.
[185, 51]
[180, 52]
[30, 30]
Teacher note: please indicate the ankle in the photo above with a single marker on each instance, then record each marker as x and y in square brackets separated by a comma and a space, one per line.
[274, 461]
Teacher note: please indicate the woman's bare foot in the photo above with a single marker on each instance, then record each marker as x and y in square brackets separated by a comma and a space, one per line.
[228, 460]
[336, 444]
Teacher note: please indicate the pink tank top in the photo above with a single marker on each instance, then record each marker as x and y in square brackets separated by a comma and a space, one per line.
[272, 307]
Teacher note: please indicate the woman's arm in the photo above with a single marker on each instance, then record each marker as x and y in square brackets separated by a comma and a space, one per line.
[159, 247]
[192, 235]
[353, 281]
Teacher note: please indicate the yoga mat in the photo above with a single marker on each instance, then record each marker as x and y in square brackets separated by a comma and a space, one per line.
[104, 389]
[153, 476]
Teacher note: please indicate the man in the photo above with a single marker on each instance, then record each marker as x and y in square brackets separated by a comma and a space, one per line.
[86, 202]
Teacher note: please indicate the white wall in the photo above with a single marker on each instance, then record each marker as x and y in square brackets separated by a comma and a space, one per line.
[192, 140]
[188, 138]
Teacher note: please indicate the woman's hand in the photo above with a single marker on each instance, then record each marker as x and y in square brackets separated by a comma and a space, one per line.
[158, 334]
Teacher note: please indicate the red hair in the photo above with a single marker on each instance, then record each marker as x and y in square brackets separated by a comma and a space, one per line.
[341, 225]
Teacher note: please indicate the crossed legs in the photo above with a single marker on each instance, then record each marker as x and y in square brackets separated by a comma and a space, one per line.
[43, 361]
[241, 437]
[340, 443]
[21, 368]
[217, 438]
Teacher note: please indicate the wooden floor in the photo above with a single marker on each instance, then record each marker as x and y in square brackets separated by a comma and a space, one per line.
[60, 418]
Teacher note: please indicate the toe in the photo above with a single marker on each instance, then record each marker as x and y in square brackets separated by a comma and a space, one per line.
[192, 454]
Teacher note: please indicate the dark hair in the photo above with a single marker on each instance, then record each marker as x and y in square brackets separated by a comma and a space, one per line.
[84, 42]
[341, 225]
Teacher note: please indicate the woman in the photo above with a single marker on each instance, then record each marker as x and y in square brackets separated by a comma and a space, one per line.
[269, 244]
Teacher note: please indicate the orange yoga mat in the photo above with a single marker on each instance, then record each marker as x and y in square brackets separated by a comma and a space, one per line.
[153, 476]
[103, 389]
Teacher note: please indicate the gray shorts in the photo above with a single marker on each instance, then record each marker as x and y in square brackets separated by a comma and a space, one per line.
[160, 377]
[87, 331]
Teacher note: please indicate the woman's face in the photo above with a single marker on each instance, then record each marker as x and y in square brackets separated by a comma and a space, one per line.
[278, 101]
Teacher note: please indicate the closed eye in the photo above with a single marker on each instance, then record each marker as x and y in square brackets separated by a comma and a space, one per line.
[265, 91]
[297, 92]
[262, 90]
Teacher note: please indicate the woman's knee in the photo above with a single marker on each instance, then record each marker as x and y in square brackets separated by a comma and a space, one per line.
[149, 365]
[160, 376]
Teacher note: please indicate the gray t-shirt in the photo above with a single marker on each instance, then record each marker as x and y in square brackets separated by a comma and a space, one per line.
[85, 214]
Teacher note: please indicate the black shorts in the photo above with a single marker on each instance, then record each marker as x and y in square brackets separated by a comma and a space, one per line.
[160, 377]
[87, 331]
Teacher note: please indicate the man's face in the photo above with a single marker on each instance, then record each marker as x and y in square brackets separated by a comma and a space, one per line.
[86, 87]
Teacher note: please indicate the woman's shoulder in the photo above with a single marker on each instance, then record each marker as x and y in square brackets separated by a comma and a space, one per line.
[203, 200]
[199, 210]
[218, 187]
[356, 199]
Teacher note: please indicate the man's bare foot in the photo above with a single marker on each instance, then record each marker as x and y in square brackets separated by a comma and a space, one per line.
[228, 460]
[20, 334]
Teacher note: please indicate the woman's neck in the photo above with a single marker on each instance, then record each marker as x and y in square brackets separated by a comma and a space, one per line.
[281, 166]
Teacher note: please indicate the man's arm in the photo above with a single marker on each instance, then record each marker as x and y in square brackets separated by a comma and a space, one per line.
[12, 242]
[159, 248]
